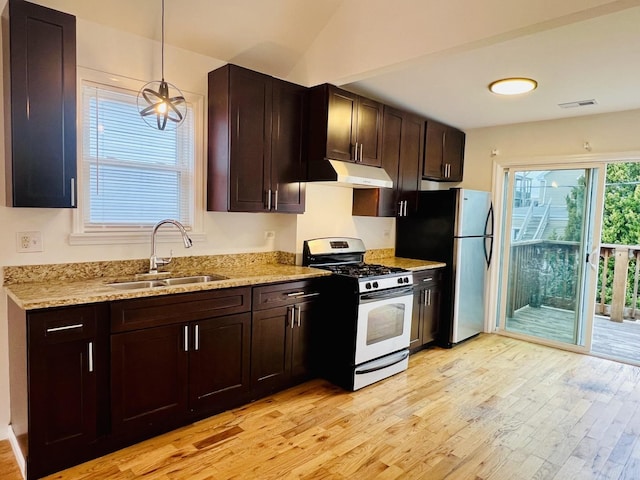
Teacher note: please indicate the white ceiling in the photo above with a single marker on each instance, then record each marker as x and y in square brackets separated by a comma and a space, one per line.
[433, 57]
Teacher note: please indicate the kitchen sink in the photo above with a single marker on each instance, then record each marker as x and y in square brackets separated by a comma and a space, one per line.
[166, 282]
[193, 279]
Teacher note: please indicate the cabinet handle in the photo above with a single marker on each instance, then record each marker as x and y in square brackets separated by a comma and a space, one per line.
[355, 156]
[295, 294]
[427, 298]
[90, 356]
[400, 209]
[275, 199]
[66, 327]
[186, 338]
[306, 295]
[269, 199]
[406, 202]
[293, 316]
[197, 337]
[298, 320]
[361, 150]
[73, 192]
[428, 279]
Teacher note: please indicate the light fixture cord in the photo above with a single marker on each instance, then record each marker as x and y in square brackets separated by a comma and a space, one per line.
[162, 63]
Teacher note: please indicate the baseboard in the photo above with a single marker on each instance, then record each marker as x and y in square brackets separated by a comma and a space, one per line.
[17, 452]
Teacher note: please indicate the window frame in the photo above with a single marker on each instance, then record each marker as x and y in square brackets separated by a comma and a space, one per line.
[80, 235]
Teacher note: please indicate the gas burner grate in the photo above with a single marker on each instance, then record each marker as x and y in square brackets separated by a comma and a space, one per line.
[363, 270]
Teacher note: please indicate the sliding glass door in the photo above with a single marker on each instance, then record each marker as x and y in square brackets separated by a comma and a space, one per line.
[549, 271]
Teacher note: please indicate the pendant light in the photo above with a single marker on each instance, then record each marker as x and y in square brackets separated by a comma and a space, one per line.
[161, 104]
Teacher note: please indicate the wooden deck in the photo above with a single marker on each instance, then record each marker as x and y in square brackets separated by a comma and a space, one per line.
[492, 408]
[618, 340]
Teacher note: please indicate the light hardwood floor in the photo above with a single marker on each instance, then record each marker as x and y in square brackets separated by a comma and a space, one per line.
[492, 408]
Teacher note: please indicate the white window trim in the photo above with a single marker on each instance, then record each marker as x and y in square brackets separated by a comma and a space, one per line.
[140, 234]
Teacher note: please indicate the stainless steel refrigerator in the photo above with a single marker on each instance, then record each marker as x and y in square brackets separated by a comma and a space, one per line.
[456, 227]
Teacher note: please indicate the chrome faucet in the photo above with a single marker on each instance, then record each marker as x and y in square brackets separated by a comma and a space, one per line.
[155, 261]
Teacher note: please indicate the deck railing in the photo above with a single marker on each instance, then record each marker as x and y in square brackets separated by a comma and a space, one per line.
[618, 283]
[544, 272]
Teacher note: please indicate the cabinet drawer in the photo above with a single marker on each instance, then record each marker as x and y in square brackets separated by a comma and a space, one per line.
[427, 277]
[64, 324]
[156, 311]
[285, 294]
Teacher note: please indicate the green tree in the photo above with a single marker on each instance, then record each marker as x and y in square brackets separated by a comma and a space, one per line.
[621, 219]
[575, 211]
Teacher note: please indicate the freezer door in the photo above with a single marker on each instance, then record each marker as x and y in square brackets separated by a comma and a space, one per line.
[469, 269]
[473, 208]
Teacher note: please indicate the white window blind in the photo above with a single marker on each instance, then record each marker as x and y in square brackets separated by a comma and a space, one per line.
[133, 175]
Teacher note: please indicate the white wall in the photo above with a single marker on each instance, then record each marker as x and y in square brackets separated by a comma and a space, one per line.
[108, 50]
[607, 133]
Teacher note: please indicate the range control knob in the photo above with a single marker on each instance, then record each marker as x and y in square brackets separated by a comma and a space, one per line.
[367, 286]
[400, 280]
[375, 284]
[406, 279]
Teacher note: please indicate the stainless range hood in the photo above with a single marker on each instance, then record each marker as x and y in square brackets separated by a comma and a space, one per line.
[356, 175]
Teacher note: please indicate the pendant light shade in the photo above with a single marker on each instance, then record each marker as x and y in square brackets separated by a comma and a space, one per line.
[160, 103]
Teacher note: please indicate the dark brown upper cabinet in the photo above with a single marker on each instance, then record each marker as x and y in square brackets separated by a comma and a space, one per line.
[444, 153]
[256, 144]
[40, 106]
[343, 126]
[402, 153]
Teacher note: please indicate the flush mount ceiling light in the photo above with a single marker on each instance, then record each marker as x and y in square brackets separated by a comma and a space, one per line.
[160, 103]
[513, 86]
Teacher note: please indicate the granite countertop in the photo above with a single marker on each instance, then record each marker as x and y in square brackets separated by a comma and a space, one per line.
[38, 291]
[409, 263]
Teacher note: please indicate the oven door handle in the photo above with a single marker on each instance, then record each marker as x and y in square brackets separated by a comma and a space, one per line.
[395, 358]
[388, 293]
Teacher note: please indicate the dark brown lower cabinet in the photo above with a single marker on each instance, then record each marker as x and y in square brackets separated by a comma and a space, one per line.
[219, 363]
[59, 384]
[281, 335]
[87, 380]
[148, 379]
[426, 308]
[165, 375]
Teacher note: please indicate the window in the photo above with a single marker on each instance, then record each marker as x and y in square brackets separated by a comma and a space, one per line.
[132, 175]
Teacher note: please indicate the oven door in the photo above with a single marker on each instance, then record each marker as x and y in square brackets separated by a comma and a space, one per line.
[384, 323]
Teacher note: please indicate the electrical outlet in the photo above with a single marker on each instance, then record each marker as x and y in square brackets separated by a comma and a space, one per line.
[29, 242]
[269, 235]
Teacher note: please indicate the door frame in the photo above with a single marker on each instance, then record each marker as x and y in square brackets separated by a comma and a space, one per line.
[494, 316]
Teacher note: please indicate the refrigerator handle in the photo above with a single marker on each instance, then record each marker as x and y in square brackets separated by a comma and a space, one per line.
[489, 254]
[488, 224]
[488, 231]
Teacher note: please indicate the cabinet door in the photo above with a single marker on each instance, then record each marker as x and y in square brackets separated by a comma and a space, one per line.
[430, 313]
[391, 141]
[432, 168]
[415, 340]
[250, 149]
[411, 155]
[301, 355]
[270, 363]
[341, 124]
[287, 145]
[149, 379]
[369, 132]
[41, 171]
[67, 373]
[219, 362]
[454, 153]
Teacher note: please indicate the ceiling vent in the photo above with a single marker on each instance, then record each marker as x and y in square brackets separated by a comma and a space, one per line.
[580, 103]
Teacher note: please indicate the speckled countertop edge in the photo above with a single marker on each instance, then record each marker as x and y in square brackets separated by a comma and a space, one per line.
[46, 286]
